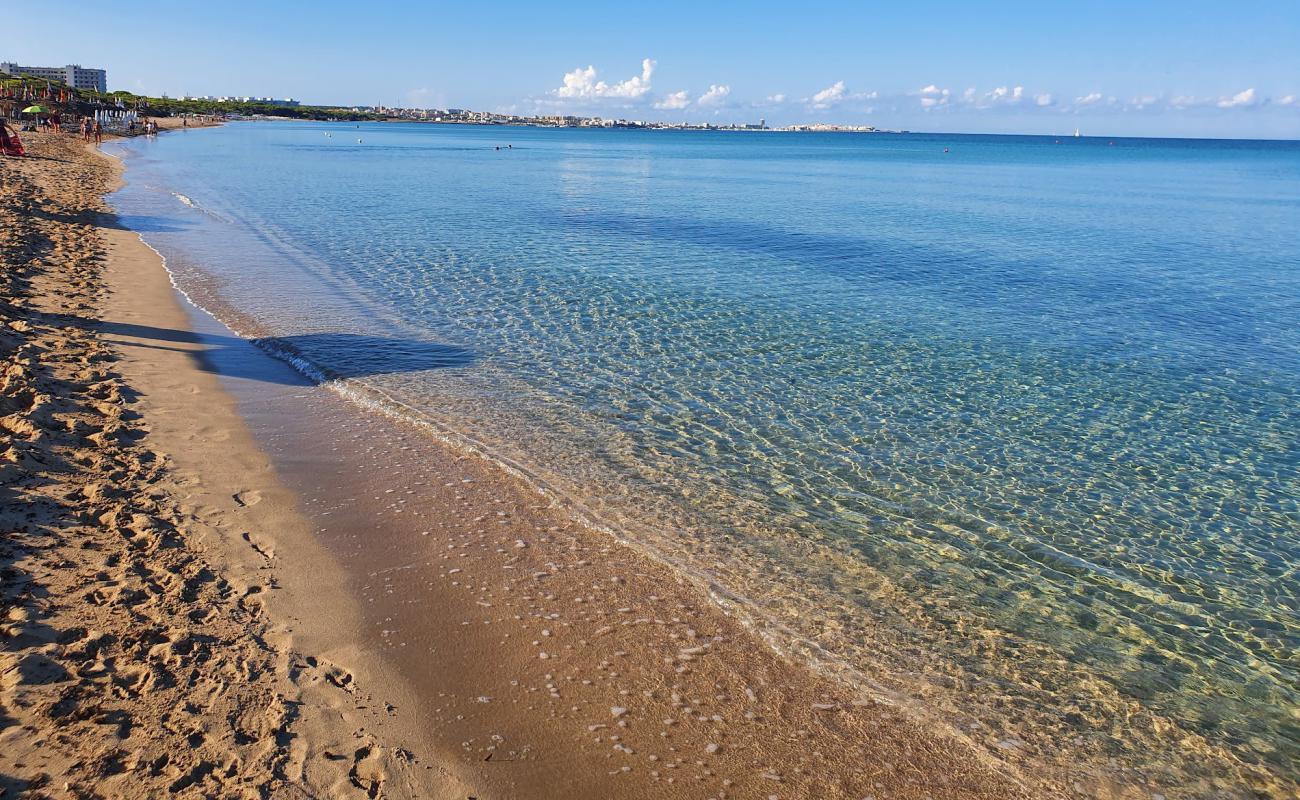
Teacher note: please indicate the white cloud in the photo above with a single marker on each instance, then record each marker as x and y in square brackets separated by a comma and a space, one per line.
[582, 84]
[932, 96]
[1246, 97]
[776, 98]
[829, 96]
[1088, 99]
[1286, 101]
[1044, 99]
[674, 101]
[579, 83]
[715, 95]
[1002, 94]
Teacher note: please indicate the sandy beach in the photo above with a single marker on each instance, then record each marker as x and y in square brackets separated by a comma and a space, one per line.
[211, 589]
[140, 658]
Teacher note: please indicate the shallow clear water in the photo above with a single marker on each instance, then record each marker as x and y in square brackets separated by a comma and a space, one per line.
[1010, 430]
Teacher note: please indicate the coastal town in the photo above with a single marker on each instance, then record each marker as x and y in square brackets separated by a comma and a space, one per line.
[461, 116]
[90, 84]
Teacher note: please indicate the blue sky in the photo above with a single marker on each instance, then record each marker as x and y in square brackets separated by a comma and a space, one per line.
[1152, 67]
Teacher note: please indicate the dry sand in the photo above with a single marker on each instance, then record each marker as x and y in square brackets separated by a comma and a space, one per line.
[186, 611]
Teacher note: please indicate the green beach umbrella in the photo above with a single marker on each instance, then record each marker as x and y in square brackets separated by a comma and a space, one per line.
[36, 110]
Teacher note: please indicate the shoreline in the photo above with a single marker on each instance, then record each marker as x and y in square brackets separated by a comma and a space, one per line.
[739, 712]
[665, 586]
[192, 643]
[238, 488]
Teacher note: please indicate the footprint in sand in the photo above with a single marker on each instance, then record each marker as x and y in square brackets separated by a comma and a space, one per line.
[339, 677]
[249, 497]
[214, 435]
[368, 773]
[260, 547]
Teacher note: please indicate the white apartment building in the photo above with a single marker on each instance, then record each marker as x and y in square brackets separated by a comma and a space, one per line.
[74, 75]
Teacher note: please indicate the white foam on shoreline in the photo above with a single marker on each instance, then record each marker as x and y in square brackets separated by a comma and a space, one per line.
[202, 209]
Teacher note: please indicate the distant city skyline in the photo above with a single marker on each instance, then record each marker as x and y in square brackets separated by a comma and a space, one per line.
[1150, 69]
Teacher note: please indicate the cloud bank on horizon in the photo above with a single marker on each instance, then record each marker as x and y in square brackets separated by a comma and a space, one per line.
[583, 91]
[582, 88]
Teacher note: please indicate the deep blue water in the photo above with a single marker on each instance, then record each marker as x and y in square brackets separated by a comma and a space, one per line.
[1010, 428]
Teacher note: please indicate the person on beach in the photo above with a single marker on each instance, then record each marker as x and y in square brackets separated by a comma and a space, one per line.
[85, 129]
[10, 145]
[99, 133]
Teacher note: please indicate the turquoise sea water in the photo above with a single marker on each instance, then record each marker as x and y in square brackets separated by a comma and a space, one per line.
[1010, 432]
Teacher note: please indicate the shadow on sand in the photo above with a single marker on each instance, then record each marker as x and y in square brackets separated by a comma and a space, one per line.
[139, 223]
[359, 355]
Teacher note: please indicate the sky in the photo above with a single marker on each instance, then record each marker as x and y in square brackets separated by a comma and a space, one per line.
[1135, 68]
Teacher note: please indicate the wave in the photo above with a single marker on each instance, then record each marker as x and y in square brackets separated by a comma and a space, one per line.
[194, 204]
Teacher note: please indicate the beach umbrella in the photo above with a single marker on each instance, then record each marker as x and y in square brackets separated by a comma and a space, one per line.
[36, 110]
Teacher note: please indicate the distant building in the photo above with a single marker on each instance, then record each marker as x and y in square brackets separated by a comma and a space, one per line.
[73, 75]
[288, 102]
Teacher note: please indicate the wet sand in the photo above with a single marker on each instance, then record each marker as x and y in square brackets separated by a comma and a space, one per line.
[425, 624]
[524, 634]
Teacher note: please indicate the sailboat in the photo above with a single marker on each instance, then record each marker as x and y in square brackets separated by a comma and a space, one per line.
[1076, 133]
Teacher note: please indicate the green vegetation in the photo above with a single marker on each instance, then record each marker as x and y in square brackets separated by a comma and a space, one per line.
[168, 107]
[32, 83]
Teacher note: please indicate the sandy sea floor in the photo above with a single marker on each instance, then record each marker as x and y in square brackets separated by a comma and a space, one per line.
[222, 580]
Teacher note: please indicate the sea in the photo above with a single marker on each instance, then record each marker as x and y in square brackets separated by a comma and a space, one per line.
[1001, 429]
